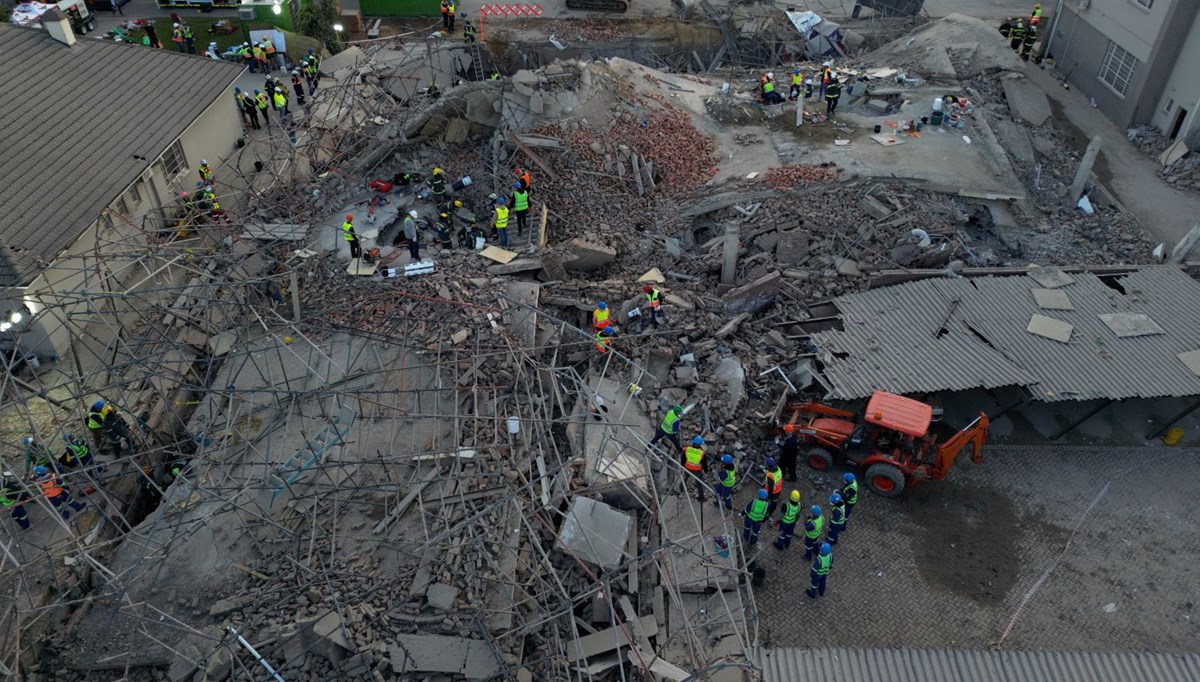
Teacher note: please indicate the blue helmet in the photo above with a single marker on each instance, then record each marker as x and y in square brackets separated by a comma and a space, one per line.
[310, 50]
[28, 440]
[516, 185]
[770, 462]
[762, 494]
[256, 91]
[849, 478]
[40, 470]
[825, 549]
[98, 405]
[726, 459]
[697, 441]
[602, 305]
[237, 89]
[608, 331]
[499, 201]
[835, 499]
[816, 511]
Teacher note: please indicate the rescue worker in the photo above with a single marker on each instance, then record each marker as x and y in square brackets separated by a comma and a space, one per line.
[281, 104]
[654, 306]
[604, 340]
[789, 452]
[239, 99]
[261, 100]
[1017, 35]
[189, 38]
[247, 57]
[249, 109]
[298, 86]
[309, 68]
[500, 221]
[410, 234]
[600, 316]
[352, 237]
[1036, 15]
[770, 96]
[669, 428]
[826, 75]
[260, 57]
[12, 496]
[850, 493]
[56, 493]
[833, 92]
[78, 454]
[820, 571]
[726, 479]
[773, 484]
[177, 37]
[437, 185]
[837, 518]
[787, 524]
[696, 463]
[445, 14]
[274, 57]
[1006, 27]
[445, 231]
[797, 84]
[808, 88]
[520, 206]
[523, 178]
[468, 32]
[205, 171]
[755, 512]
[814, 524]
[450, 13]
[1031, 36]
[36, 454]
[95, 422]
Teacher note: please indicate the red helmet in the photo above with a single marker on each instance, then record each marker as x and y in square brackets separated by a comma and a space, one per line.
[349, 216]
[647, 288]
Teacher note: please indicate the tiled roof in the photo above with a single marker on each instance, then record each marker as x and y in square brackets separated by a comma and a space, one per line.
[957, 334]
[81, 123]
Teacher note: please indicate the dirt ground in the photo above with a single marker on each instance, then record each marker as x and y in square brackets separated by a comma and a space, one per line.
[992, 556]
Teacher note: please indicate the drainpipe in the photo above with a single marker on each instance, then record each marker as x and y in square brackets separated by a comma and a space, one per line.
[1054, 28]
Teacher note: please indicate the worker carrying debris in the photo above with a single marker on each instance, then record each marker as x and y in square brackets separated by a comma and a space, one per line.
[787, 524]
[12, 495]
[755, 513]
[352, 237]
[56, 493]
[696, 464]
[820, 571]
[600, 316]
[669, 427]
[726, 480]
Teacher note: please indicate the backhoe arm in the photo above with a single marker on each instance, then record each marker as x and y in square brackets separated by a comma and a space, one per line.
[975, 435]
[810, 407]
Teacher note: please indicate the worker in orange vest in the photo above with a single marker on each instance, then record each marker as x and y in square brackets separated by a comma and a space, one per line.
[445, 15]
[600, 316]
[654, 302]
[773, 484]
[55, 492]
[604, 340]
[523, 178]
[696, 464]
[450, 13]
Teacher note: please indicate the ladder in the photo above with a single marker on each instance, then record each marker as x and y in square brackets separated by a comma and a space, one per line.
[476, 59]
[300, 461]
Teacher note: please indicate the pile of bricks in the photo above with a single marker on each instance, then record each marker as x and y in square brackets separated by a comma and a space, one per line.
[800, 175]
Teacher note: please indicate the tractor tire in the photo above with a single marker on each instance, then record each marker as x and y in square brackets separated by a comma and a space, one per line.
[819, 459]
[884, 480]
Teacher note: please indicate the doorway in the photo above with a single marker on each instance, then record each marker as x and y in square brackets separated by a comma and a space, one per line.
[1177, 124]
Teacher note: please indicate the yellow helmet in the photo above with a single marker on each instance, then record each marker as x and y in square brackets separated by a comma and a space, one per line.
[437, 171]
[795, 496]
[457, 203]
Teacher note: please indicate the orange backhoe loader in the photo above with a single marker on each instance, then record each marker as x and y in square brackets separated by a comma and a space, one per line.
[890, 441]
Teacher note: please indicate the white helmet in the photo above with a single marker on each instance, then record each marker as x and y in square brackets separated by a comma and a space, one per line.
[771, 75]
[414, 214]
[174, 25]
[203, 162]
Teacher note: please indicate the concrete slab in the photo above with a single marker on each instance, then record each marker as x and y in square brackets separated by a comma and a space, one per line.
[752, 297]
[1026, 101]
[693, 561]
[612, 439]
[441, 596]
[595, 532]
[589, 255]
[523, 324]
[1015, 140]
[471, 658]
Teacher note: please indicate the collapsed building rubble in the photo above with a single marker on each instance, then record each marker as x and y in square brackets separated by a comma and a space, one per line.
[393, 476]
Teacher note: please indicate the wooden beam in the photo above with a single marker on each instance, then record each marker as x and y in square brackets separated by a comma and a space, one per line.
[531, 154]
[542, 228]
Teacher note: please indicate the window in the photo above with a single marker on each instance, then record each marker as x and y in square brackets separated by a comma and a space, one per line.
[135, 192]
[1117, 69]
[1169, 105]
[1144, 3]
[121, 206]
[174, 162]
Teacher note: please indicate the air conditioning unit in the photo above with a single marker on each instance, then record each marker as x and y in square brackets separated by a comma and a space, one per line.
[246, 13]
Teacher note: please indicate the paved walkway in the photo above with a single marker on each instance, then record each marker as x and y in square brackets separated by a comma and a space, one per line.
[1166, 213]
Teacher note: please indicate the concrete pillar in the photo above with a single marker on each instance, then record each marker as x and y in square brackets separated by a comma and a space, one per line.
[1085, 169]
[800, 107]
[295, 296]
[729, 256]
[1184, 248]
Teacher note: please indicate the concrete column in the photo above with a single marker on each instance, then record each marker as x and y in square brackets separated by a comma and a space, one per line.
[1085, 169]
[800, 107]
[1184, 248]
[295, 296]
[729, 256]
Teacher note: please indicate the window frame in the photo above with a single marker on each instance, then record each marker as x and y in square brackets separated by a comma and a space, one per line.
[1111, 66]
[1144, 4]
[174, 156]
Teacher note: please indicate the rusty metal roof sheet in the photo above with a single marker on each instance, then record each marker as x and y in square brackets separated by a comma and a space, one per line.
[947, 665]
[957, 334]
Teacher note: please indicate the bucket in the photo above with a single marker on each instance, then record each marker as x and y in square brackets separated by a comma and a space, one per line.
[33, 362]
[935, 119]
[461, 184]
[514, 425]
[1173, 436]
[878, 128]
[953, 120]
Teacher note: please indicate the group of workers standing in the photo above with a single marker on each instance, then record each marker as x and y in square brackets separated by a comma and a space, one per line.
[821, 531]
[274, 94]
[829, 88]
[1022, 33]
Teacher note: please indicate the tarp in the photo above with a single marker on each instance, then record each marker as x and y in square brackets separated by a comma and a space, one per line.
[821, 38]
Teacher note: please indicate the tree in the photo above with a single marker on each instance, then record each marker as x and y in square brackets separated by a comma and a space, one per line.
[316, 20]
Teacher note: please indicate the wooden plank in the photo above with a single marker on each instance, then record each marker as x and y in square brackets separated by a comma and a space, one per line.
[531, 154]
[407, 501]
[498, 254]
[585, 647]
[542, 227]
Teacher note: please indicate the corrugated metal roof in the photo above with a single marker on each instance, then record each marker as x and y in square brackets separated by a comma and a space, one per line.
[951, 665]
[81, 124]
[957, 334]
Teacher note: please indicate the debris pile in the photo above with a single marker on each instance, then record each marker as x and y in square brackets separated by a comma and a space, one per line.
[1179, 167]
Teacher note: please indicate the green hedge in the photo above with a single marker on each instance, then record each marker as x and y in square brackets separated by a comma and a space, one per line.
[401, 8]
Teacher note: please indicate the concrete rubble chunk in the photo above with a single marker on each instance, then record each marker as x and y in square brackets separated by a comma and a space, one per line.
[470, 658]
[589, 255]
[874, 208]
[792, 247]
[753, 297]
[595, 532]
[847, 267]
[1027, 101]
[441, 596]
